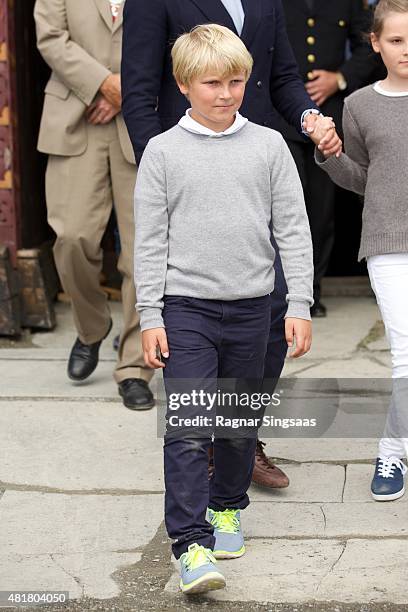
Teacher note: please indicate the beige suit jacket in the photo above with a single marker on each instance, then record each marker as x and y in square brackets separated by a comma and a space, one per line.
[82, 46]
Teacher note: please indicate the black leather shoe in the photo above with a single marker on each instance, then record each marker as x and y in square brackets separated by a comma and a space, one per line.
[84, 358]
[318, 310]
[136, 394]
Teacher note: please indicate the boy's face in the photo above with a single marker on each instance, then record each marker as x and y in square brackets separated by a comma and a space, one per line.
[215, 100]
[392, 43]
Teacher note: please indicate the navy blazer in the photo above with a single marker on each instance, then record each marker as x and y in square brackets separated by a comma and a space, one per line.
[151, 101]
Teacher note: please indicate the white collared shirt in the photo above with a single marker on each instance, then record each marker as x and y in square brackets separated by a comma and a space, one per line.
[191, 125]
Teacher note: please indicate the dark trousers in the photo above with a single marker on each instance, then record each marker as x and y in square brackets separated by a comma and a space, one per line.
[277, 345]
[209, 340]
[319, 192]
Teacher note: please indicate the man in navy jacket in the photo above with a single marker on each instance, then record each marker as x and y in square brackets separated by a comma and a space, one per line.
[152, 103]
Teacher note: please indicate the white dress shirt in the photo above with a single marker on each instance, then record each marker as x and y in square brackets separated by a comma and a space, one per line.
[234, 7]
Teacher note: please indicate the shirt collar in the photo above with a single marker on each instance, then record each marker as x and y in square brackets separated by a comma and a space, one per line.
[191, 125]
[392, 94]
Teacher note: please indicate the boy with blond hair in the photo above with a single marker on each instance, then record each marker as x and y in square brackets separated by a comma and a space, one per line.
[208, 193]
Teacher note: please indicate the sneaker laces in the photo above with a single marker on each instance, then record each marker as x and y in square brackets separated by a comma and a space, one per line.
[225, 521]
[196, 556]
[387, 466]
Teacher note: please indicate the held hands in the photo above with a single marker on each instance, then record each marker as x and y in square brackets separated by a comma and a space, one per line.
[322, 132]
[111, 90]
[323, 85]
[152, 339]
[301, 331]
[101, 111]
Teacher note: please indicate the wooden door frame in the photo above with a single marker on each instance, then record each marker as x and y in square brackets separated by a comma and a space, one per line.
[10, 204]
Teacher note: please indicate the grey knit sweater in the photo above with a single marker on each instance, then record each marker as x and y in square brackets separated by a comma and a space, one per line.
[376, 166]
[203, 211]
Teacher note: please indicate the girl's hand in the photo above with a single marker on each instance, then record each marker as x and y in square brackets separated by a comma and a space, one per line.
[322, 131]
[299, 330]
[151, 340]
[330, 144]
[322, 127]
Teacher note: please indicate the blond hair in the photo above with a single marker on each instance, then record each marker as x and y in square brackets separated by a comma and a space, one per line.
[383, 8]
[209, 48]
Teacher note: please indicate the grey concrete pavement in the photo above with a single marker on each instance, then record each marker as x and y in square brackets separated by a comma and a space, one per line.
[81, 488]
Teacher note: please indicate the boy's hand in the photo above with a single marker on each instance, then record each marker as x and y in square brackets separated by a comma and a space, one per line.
[301, 331]
[151, 339]
[322, 131]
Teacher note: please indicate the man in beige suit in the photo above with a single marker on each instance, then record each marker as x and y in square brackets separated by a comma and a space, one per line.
[91, 164]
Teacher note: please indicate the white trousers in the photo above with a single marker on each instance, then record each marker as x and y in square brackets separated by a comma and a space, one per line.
[389, 280]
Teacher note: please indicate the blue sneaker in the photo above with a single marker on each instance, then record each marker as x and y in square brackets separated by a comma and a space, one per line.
[388, 480]
[199, 573]
[229, 541]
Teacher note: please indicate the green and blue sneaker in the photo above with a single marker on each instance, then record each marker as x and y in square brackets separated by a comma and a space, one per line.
[199, 573]
[229, 541]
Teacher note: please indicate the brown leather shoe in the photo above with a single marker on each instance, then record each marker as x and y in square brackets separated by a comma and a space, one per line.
[265, 473]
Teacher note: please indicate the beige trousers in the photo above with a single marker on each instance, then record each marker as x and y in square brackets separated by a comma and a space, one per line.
[80, 192]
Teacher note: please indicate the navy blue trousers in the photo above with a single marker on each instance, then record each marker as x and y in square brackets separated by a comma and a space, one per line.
[209, 340]
[277, 346]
